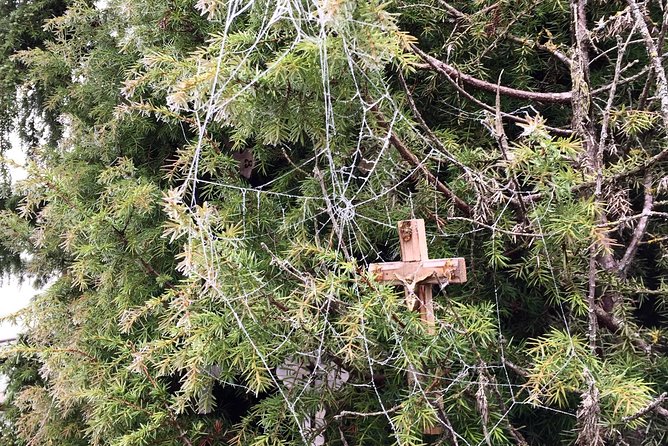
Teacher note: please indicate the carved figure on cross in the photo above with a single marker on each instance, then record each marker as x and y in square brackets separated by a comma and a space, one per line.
[417, 272]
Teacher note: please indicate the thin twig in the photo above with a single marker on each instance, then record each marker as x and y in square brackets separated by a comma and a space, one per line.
[654, 404]
[640, 229]
[653, 53]
[608, 111]
[343, 438]
[348, 413]
[559, 55]
[502, 140]
[409, 156]
[430, 134]
[631, 218]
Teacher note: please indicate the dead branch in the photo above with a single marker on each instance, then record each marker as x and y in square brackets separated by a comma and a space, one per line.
[454, 11]
[450, 71]
[608, 111]
[409, 156]
[583, 126]
[502, 140]
[430, 134]
[653, 53]
[589, 414]
[652, 406]
[639, 231]
[650, 78]
[508, 116]
[515, 368]
[348, 413]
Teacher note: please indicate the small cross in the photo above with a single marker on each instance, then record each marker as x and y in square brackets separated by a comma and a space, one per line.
[418, 273]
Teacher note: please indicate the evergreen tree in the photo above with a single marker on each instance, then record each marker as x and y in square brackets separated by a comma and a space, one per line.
[219, 175]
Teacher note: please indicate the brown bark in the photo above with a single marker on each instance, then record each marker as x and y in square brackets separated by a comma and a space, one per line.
[450, 71]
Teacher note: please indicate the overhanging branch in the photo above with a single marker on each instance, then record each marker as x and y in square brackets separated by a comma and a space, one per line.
[450, 71]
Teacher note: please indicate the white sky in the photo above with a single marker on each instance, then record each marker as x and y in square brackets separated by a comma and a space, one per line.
[13, 296]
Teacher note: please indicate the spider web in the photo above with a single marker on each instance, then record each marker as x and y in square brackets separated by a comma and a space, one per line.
[342, 208]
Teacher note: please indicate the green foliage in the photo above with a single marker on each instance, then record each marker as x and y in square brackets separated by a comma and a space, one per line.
[192, 305]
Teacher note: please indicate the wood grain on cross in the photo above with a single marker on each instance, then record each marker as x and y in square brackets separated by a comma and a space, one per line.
[418, 273]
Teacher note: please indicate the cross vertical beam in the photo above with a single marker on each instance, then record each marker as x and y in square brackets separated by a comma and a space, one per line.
[417, 273]
[413, 242]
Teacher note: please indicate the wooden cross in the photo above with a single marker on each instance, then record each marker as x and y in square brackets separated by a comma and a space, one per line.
[418, 273]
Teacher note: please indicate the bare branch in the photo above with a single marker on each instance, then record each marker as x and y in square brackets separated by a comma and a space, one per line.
[450, 71]
[348, 413]
[589, 414]
[653, 53]
[652, 406]
[580, 90]
[454, 11]
[409, 156]
[608, 110]
[515, 368]
[489, 108]
[640, 230]
[650, 78]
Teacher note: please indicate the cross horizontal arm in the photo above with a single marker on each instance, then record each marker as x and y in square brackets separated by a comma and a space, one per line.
[435, 271]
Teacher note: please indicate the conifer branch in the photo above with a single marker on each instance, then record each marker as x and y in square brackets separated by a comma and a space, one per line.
[430, 134]
[646, 166]
[526, 42]
[615, 324]
[146, 265]
[266, 80]
[450, 71]
[409, 156]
